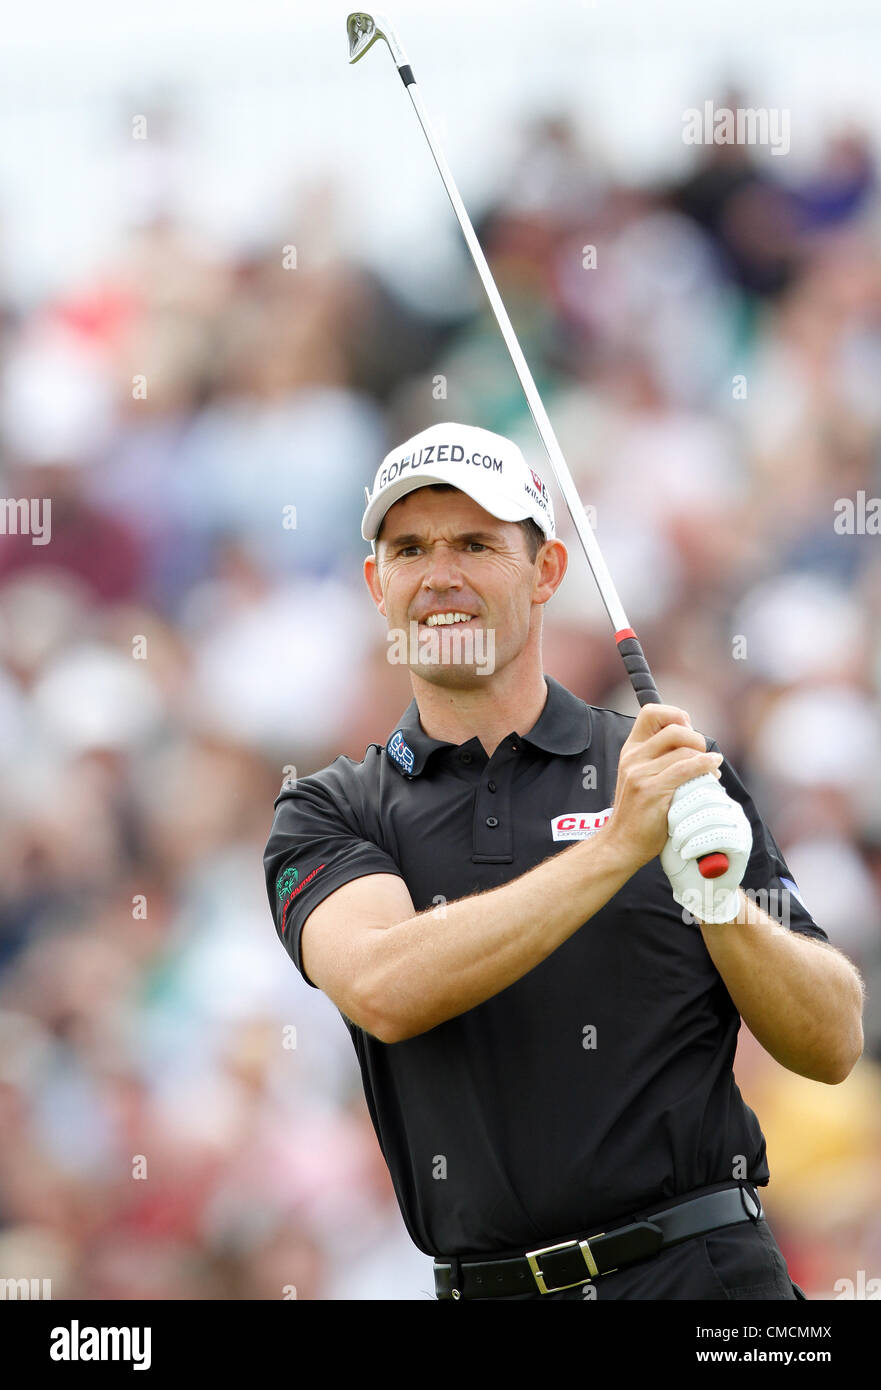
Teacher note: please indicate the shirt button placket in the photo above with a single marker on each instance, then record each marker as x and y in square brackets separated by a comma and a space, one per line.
[493, 820]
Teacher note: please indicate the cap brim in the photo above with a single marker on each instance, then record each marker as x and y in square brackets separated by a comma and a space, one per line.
[486, 497]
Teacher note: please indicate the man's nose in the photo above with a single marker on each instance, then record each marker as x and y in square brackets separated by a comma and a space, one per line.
[442, 569]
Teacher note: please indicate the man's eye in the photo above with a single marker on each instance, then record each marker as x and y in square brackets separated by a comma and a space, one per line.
[480, 545]
[408, 549]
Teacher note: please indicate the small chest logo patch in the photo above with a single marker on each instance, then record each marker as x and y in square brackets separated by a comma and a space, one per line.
[579, 825]
[400, 752]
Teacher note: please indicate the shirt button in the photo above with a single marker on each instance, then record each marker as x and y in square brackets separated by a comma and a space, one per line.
[466, 757]
[491, 786]
[515, 747]
[492, 822]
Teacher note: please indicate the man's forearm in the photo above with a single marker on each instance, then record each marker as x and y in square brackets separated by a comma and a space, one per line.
[802, 1000]
[438, 964]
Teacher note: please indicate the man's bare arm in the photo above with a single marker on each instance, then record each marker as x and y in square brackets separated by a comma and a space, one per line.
[397, 973]
[801, 999]
[417, 973]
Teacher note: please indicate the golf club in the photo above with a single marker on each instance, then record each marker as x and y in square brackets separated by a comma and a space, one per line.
[363, 32]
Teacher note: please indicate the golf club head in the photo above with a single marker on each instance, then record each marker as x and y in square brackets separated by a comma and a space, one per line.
[363, 33]
[364, 29]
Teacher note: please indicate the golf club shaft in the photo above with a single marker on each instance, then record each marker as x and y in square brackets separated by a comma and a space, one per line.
[711, 865]
[628, 645]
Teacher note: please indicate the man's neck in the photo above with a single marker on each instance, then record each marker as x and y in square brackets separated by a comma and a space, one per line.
[511, 701]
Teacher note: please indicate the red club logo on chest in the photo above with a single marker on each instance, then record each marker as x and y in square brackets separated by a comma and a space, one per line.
[578, 825]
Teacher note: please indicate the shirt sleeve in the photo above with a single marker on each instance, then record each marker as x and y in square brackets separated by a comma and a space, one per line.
[768, 879]
[314, 847]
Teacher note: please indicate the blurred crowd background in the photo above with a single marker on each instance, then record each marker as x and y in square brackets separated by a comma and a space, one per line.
[179, 646]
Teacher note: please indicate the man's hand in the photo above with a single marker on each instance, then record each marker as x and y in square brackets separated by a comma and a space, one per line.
[662, 752]
[702, 819]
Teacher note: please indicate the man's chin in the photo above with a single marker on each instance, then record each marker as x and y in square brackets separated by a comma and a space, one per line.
[464, 677]
[456, 656]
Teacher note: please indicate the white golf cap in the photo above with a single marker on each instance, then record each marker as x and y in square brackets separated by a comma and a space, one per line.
[489, 467]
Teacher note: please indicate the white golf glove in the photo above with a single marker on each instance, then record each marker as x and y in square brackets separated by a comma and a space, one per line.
[703, 818]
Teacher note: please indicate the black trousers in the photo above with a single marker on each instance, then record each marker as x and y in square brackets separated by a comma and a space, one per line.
[735, 1262]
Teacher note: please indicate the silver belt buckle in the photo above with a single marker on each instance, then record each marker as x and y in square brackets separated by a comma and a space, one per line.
[583, 1245]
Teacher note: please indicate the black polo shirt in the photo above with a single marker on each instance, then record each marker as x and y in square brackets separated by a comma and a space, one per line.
[601, 1082]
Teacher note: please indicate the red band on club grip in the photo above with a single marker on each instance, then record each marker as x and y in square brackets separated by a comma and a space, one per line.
[712, 865]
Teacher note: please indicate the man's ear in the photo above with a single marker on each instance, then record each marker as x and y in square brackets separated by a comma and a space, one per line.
[371, 579]
[553, 561]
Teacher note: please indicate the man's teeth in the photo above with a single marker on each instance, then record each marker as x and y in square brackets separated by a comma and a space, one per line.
[445, 619]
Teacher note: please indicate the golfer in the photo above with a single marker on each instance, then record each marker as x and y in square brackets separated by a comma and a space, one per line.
[504, 904]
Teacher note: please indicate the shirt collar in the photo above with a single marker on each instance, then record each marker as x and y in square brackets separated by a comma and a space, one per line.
[563, 727]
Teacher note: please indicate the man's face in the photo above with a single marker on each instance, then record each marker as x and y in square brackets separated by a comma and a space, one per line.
[441, 554]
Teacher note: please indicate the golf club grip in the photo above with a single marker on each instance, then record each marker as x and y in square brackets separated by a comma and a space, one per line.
[710, 865]
[637, 668]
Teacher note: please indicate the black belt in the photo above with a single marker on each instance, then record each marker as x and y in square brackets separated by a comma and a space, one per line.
[574, 1262]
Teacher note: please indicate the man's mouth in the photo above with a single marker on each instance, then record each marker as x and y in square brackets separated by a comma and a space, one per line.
[446, 619]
